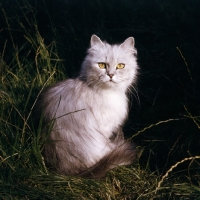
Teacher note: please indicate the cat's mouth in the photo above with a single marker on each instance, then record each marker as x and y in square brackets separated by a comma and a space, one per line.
[111, 81]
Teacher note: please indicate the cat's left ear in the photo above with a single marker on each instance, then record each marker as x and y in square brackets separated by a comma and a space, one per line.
[95, 40]
[128, 43]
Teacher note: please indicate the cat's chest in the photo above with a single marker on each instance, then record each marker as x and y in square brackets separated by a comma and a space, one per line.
[111, 110]
[112, 102]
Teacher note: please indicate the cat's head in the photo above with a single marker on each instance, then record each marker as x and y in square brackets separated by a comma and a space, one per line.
[110, 66]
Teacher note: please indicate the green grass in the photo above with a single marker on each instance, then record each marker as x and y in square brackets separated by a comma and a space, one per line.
[43, 42]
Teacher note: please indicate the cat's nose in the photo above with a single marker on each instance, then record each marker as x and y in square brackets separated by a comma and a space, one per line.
[110, 75]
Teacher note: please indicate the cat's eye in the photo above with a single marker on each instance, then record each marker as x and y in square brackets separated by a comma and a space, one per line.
[102, 65]
[120, 66]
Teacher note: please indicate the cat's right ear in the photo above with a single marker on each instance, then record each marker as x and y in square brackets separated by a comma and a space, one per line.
[95, 40]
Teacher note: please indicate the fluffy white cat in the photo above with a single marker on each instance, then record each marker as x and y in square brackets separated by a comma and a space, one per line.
[85, 115]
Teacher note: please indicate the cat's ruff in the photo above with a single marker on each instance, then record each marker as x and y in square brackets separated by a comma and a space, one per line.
[84, 116]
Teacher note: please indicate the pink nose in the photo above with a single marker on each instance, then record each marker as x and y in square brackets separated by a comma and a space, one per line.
[110, 75]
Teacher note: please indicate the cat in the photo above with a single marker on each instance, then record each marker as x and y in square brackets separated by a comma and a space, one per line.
[84, 116]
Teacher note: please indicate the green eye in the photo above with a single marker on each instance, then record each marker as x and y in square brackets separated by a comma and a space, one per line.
[120, 66]
[102, 65]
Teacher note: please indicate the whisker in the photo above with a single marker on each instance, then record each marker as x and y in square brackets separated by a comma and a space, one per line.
[133, 90]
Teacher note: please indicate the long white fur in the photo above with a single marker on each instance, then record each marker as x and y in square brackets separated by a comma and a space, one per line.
[89, 109]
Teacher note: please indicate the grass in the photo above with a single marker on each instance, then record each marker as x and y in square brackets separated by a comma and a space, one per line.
[42, 42]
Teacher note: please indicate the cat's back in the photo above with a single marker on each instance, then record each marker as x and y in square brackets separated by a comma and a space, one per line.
[65, 93]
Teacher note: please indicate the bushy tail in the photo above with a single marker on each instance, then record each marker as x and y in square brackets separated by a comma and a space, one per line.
[124, 154]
